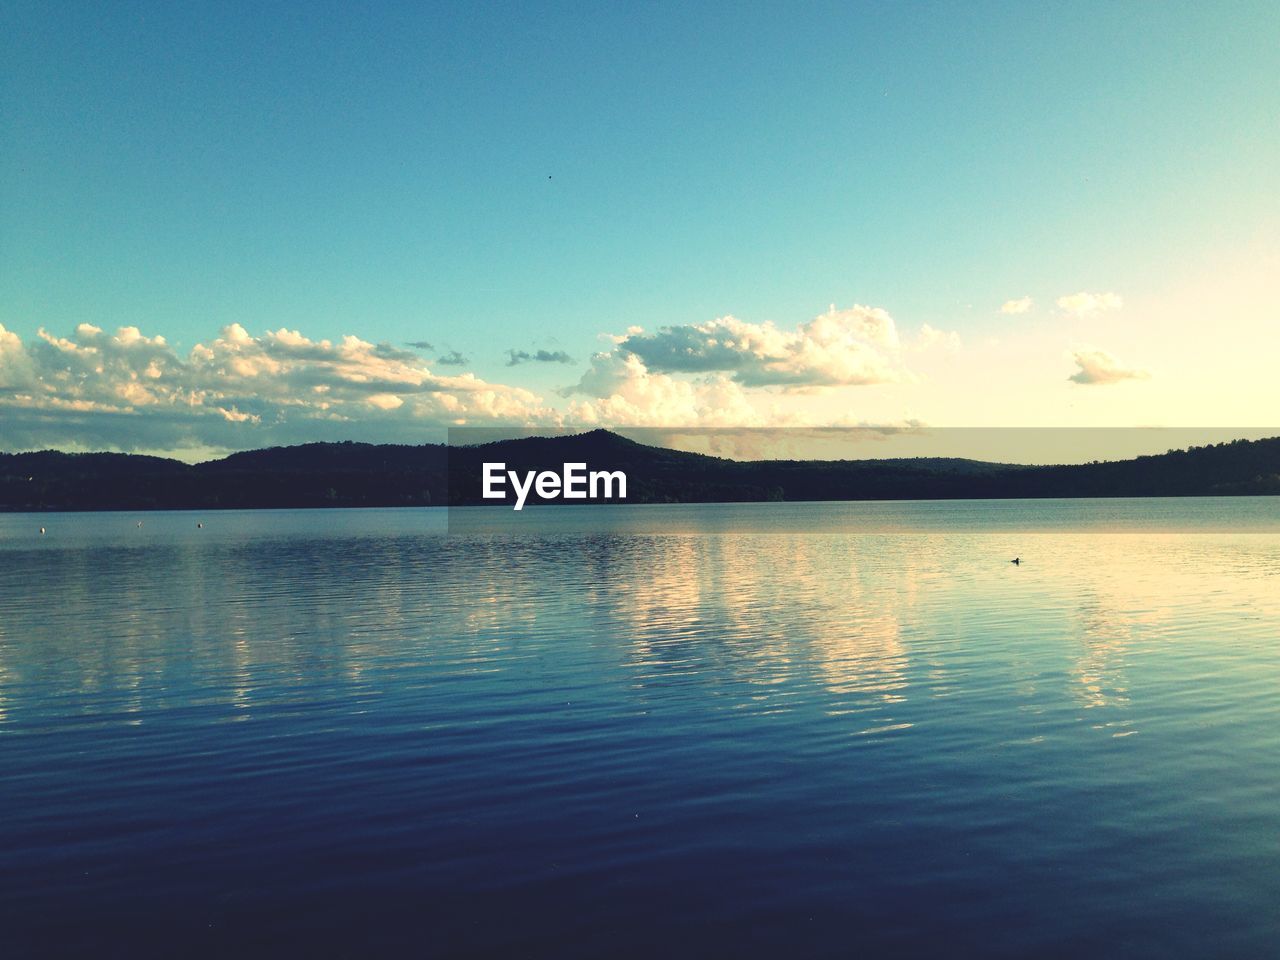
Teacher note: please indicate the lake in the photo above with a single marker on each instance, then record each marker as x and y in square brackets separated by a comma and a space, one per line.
[818, 730]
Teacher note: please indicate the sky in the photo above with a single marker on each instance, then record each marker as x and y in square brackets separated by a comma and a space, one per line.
[226, 226]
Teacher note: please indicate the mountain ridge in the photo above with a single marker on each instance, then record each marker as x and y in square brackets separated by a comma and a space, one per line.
[353, 473]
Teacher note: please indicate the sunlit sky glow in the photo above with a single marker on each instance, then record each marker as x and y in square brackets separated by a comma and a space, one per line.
[225, 226]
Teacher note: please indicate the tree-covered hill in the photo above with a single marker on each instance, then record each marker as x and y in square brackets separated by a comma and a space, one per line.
[361, 474]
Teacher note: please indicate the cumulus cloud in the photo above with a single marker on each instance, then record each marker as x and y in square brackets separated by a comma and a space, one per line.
[621, 390]
[1085, 304]
[727, 372]
[92, 389]
[1020, 305]
[855, 346]
[130, 391]
[517, 357]
[1097, 367]
[16, 368]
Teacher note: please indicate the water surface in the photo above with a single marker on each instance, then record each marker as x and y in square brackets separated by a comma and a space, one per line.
[754, 730]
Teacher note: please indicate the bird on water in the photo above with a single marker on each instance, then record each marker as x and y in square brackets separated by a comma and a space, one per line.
[1017, 560]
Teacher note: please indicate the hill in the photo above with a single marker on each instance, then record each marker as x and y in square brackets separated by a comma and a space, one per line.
[361, 474]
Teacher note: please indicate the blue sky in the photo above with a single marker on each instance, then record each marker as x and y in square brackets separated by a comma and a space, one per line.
[534, 177]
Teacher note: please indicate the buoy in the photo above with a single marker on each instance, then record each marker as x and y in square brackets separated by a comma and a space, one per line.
[42, 531]
[199, 526]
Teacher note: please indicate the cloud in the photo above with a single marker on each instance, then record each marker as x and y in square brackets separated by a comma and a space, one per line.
[16, 368]
[727, 372]
[930, 337]
[1085, 304]
[1020, 305]
[420, 345]
[1097, 367]
[128, 391]
[518, 357]
[623, 391]
[855, 346]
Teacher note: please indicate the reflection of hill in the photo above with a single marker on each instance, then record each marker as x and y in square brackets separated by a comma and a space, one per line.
[356, 474]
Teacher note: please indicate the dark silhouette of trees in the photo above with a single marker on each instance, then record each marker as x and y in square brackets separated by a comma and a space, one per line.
[367, 475]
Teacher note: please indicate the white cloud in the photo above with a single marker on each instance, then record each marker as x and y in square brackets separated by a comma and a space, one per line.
[385, 401]
[839, 347]
[930, 337]
[16, 369]
[1020, 305]
[621, 390]
[1097, 367]
[130, 391]
[719, 373]
[235, 416]
[1085, 304]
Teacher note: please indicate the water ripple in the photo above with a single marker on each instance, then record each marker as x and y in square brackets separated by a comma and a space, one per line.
[785, 734]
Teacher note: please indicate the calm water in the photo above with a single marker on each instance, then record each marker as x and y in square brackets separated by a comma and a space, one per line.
[766, 730]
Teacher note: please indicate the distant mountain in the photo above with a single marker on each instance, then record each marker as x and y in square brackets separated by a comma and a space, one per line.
[367, 475]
